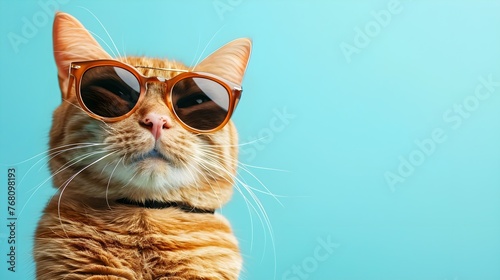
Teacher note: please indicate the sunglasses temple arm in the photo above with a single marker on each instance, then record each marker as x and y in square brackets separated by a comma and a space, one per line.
[237, 94]
[70, 84]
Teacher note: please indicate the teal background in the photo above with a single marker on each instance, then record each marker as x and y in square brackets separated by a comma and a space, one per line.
[319, 129]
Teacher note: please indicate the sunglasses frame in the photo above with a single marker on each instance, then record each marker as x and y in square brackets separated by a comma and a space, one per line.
[78, 69]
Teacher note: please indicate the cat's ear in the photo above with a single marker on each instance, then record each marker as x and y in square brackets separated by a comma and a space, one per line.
[230, 61]
[72, 42]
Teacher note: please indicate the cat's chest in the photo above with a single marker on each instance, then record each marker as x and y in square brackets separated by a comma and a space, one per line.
[143, 244]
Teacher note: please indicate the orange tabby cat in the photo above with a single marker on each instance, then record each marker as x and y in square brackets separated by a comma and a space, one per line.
[136, 194]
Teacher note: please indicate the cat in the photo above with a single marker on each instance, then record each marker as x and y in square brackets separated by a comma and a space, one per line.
[136, 195]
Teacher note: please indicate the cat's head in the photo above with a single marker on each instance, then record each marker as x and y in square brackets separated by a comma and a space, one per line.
[147, 155]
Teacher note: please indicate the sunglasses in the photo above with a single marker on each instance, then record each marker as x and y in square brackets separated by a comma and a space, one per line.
[110, 91]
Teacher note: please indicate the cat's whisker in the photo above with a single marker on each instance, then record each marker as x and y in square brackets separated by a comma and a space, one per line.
[263, 168]
[190, 167]
[267, 191]
[130, 180]
[109, 180]
[234, 145]
[243, 167]
[259, 205]
[68, 181]
[259, 208]
[76, 144]
[197, 49]
[50, 155]
[265, 220]
[46, 152]
[243, 184]
[33, 157]
[72, 162]
[200, 162]
[74, 105]
[37, 187]
[42, 159]
[124, 58]
[107, 33]
[106, 128]
[105, 43]
[257, 140]
[104, 167]
[250, 209]
[81, 157]
[55, 153]
[245, 199]
[192, 67]
[125, 156]
[205, 164]
[104, 125]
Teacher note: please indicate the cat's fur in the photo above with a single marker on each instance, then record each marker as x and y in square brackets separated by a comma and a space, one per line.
[84, 233]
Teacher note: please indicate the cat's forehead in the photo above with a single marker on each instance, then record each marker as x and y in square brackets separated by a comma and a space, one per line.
[153, 66]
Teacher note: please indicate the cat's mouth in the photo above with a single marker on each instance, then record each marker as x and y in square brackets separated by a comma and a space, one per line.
[152, 155]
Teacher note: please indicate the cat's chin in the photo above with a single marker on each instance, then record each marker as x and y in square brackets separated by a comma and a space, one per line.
[152, 164]
[152, 167]
[155, 171]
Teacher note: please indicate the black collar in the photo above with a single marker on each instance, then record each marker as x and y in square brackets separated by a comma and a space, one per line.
[153, 204]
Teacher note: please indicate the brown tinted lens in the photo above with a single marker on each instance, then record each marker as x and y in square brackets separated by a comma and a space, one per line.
[200, 103]
[109, 91]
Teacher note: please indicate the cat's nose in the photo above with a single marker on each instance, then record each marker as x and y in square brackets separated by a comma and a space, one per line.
[156, 123]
